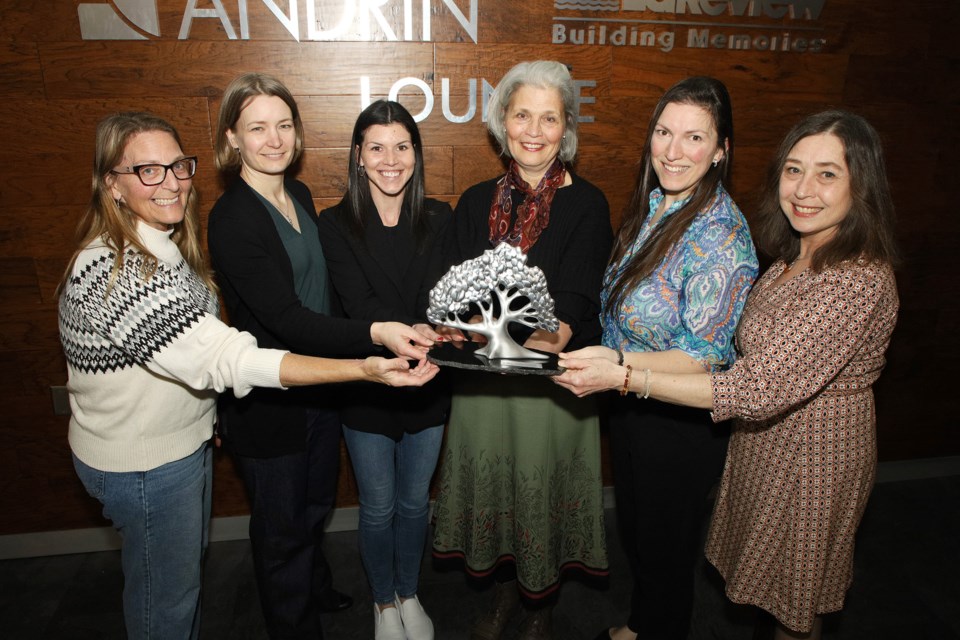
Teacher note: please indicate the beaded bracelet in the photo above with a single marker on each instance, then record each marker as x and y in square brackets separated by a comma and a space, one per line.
[626, 381]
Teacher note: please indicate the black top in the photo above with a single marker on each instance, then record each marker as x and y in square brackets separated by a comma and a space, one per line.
[572, 251]
[257, 283]
[382, 277]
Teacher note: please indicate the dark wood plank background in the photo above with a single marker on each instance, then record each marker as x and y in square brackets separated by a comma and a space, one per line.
[893, 61]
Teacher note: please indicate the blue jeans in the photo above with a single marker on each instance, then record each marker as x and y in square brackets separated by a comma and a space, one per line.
[163, 517]
[394, 483]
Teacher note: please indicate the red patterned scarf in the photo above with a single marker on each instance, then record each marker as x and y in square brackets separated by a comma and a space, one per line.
[533, 215]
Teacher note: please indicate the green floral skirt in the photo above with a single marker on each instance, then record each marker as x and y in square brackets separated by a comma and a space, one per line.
[520, 481]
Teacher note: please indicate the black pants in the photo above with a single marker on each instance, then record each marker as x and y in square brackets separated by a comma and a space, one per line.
[665, 461]
[290, 498]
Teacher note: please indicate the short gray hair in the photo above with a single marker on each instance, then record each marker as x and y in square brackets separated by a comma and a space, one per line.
[544, 74]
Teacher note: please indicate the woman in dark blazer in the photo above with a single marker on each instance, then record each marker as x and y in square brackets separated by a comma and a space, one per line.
[383, 245]
[268, 261]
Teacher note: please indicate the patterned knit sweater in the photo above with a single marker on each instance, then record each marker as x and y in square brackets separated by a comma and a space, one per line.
[145, 362]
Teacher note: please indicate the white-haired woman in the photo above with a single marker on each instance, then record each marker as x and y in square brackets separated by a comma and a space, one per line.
[520, 488]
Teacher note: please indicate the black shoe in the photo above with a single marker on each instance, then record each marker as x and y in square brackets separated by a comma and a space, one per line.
[335, 601]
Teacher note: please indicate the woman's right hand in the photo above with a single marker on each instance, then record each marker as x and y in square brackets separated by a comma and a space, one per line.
[401, 339]
[396, 372]
[583, 376]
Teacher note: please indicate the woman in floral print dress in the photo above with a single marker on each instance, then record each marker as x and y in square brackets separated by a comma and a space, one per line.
[812, 341]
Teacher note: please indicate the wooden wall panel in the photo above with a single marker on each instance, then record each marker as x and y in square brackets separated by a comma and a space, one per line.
[20, 70]
[28, 326]
[887, 79]
[38, 21]
[473, 164]
[38, 231]
[32, 372]
[147, 69]
[896, 64]
[328, 120]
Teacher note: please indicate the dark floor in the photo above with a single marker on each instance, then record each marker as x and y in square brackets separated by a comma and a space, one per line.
[905, 587]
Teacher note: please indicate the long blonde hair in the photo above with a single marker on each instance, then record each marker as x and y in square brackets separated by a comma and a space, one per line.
[113, 222]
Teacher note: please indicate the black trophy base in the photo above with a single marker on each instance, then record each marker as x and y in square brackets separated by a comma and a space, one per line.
[446, 354]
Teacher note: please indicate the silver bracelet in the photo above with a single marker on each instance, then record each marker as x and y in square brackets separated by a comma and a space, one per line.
[646, 384]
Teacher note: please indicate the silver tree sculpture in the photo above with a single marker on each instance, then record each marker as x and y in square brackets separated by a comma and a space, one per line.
[521, 296]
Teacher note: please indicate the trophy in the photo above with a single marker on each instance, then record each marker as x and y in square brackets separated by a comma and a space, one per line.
[501, 289]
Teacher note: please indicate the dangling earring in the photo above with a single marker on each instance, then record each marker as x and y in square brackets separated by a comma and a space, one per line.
[361, 170]
[716, 162]
[119, 201]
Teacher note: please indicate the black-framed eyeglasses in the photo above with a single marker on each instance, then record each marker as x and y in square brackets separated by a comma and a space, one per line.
[153, 174]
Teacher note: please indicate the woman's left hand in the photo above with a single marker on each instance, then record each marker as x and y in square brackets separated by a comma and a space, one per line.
[584, 376]
[396, 372]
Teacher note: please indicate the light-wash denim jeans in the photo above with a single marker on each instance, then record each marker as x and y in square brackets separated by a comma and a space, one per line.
[163, 517]
[394, 483]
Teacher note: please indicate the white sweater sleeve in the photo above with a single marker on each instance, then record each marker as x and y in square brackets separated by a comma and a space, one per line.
[211, 355]
[165, 323]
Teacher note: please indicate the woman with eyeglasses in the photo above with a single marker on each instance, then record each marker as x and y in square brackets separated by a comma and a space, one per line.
[146, 355]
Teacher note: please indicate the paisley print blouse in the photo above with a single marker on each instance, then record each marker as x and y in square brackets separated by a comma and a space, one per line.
[693, 299]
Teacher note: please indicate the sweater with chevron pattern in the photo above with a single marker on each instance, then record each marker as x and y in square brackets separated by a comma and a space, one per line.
[145, 362]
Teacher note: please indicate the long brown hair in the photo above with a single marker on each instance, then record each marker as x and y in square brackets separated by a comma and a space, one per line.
[711, 95]
[358, 198]
[113, 222]
[869, 229]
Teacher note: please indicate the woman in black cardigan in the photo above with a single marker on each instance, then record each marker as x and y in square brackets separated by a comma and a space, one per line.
[268, 260]
[383, 245]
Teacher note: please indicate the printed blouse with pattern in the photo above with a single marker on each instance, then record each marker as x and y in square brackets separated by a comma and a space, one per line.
[693, 299]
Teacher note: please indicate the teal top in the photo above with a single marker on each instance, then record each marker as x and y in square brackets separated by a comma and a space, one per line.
[310, 278]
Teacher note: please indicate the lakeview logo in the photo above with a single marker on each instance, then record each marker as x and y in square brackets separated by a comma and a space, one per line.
[587, 5]
[704, 24]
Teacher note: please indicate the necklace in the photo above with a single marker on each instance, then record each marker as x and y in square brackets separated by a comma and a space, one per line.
[286, 214]
[284, 210]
